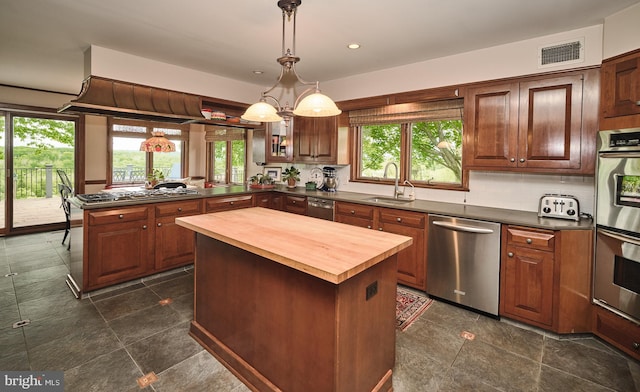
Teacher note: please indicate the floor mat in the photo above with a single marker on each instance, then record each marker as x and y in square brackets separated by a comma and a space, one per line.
[410, 304]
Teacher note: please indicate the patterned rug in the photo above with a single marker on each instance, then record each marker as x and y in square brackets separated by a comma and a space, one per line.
[410, 304]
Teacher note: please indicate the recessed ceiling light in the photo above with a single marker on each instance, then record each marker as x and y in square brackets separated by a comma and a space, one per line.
[353, 46]
[258, 72]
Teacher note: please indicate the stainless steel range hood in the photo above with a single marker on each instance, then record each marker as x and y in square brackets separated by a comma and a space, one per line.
[110, 97]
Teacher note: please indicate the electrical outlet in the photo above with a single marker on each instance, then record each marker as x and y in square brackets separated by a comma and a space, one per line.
[147, 379]
[372, 290]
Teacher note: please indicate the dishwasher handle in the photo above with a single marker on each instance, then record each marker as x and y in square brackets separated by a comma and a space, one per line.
[465, 228]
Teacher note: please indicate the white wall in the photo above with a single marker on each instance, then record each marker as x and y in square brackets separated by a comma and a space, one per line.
[622, 32]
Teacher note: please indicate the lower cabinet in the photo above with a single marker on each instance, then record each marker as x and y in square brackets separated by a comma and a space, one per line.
[272, 200]
[545, 278]
[174, 245]
[119, 246]
[225, 203]
[412, 261]
[295, 204]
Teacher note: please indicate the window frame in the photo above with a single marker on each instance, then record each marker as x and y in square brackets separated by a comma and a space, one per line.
[404, 163]
[150, 126]
[210, 139]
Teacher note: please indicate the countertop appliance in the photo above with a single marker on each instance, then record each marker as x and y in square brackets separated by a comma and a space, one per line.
[559, 206]
[616, 280]
[330, 179]
[320, 208]
[464, 262]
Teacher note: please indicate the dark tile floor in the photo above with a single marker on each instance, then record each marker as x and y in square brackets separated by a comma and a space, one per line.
[109, 340]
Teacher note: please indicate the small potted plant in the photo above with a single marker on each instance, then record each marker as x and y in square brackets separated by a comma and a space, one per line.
[154, 177]
[291, 175]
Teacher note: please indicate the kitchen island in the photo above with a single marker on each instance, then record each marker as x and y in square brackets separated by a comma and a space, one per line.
[292, 303]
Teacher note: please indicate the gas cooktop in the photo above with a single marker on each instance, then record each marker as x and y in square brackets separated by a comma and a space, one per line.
[146, 194]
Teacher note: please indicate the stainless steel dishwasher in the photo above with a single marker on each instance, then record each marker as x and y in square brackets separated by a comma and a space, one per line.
[320, 208]
[463, 262]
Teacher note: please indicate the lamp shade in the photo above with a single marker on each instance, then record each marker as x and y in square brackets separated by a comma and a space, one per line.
[157, 143]
[316, 105]
[262, 112]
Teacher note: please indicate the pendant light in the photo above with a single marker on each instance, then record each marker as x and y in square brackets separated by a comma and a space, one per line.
[310, 103]
[157, 143]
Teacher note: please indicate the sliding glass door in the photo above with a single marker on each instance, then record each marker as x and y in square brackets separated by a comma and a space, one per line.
[37, 153]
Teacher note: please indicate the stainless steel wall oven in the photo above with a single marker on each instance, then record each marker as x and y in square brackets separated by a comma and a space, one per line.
[617, 260]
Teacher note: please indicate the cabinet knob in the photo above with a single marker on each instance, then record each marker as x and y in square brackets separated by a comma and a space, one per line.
[144, 227]
[121, 216]
[521, 160]
[636, 345]
[231, 202]
[293, 202]
[352, 212]
[368, 226]
[179, 209]
[529, 240]
[510, 254]
[380, 228]
[512, 160]
[398, 219]
[159, 224]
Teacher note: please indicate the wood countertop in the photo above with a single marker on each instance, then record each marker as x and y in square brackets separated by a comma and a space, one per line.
[327, 250]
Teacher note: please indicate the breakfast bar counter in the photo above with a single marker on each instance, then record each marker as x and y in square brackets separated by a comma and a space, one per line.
[293, 303]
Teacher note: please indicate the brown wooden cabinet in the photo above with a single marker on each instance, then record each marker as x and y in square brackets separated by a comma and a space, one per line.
[273, 200]
[315, 140]
[620, 95]
[541, 124]
[119, 245]
[225, 203]
[295, 204]
[412, 261]
[174, 245]
[545, 278]
[619, 332]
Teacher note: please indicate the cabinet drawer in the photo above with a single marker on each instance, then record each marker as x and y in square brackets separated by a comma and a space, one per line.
[229, 203]
[406, 218]
[620, 332]
[355, 210]
[116, 216]
[538, 239]
[296, 204]
[178, 208]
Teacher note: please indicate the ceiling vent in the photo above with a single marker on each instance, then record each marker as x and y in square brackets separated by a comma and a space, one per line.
[561, 53]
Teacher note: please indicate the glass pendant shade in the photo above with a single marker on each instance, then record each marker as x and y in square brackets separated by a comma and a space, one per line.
[262, 112]
[316, 105]
[158, 143]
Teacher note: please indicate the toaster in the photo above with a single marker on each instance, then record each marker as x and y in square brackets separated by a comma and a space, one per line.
[559, 206]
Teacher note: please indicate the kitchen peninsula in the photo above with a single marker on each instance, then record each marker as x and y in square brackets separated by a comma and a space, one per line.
[292, 303]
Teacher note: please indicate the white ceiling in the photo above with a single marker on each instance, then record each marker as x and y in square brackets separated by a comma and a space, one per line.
[42, 41]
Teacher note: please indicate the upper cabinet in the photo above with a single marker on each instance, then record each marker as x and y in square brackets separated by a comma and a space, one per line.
[540, 124]
[621, 91]
[315, 139]
[279, 142]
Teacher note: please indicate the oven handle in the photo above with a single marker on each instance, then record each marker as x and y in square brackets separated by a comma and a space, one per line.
[630, 154]
[619, 237]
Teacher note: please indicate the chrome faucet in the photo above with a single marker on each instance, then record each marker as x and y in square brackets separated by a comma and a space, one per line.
[396, 190]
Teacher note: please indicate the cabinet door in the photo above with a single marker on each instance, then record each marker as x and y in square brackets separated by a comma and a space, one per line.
[621, 86]
[526, 284]
[354, 214]
[174, 244]
[279, 142]
[549, 134]
[412, 260]
[295, 204]
[491, 126]
[316, 140]
[118, 252]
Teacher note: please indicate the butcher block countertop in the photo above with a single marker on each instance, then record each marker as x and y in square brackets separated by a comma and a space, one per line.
[327, 250]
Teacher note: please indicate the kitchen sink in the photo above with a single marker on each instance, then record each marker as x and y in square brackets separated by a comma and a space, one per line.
[388, 200]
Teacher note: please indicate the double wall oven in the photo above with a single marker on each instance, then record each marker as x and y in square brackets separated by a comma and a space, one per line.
[617, 260]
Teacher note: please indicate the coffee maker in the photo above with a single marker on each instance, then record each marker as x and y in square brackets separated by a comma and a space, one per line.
[330, 179]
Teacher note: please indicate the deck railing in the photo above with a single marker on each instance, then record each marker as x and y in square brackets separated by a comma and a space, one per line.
[38, 182]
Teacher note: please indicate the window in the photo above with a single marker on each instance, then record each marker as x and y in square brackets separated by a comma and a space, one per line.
[130, 166]
[424, 140]
[227, 155]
